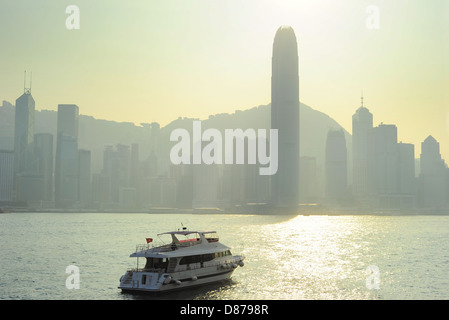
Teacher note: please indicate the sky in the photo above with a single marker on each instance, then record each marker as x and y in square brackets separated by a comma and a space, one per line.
[147, 61]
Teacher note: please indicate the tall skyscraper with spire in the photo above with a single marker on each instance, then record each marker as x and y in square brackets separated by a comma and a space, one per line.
[24, 132]
[285, 117]
[24, 166]
[362, 125]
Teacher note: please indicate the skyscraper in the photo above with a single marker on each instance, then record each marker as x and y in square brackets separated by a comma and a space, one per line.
[26, 180]
[285, 117]
[24, 133]
[116, 165]
[407, 180]
[362, 124]
[43, 151]
[84, 182]
[383, 165]
[66, 166]
[336, 165]
[383, 153]
[432, 179]
[6, 175]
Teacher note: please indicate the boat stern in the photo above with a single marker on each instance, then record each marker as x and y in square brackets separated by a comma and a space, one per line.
[143, 281]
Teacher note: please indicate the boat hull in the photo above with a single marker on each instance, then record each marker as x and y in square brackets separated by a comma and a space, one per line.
[160, 286]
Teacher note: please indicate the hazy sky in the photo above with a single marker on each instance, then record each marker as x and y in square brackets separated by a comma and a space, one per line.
[156, 60]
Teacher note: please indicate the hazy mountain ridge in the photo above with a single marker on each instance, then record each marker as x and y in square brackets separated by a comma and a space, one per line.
[95, 134]
[314, 126]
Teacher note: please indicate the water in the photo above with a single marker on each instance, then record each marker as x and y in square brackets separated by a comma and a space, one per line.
[303, 257]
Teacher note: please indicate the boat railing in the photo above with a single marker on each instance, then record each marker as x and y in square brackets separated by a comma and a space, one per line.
[208, 264]
[190, 266]
[141, 247]
[153, 270]
[146, 247]
[167, 247]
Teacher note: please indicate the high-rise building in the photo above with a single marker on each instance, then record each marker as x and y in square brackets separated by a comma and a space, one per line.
[383, 169]
[432, 179]
[43, 151]
[120, 179]
[84, 182]
[100, 190]
[383, 159]
[6, 175]
[362, 124]
[66, 166]
[407, 180]
[116, 166]
[336, 166]
[391, 182]
[6, 126]
[285, 117]
[27, 181]
[24, 134]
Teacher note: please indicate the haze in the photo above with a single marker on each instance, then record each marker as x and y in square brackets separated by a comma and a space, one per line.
[145, 61]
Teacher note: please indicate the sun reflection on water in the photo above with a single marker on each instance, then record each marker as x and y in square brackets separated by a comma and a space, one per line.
[302, 257]
[305, 257]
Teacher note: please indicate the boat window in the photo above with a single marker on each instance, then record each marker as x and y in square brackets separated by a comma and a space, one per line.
[197, 258]
[189, 239]
[222, 254]
[156, 263]
[190, 259]
[211, 237]
[208, 257]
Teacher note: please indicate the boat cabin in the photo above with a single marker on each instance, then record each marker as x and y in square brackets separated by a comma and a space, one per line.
[187, 250]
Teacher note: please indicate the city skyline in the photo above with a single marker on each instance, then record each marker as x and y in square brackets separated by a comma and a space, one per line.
[386, 167]
[216, 57]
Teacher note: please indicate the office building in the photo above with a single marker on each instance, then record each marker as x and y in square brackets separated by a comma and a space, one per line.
[67, 159]
[336, 166]
[285, 118]
[362, 124]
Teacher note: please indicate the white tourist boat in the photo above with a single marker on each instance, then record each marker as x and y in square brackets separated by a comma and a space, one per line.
[192, 258]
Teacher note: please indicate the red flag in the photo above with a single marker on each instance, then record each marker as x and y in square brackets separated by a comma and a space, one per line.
[149, 240]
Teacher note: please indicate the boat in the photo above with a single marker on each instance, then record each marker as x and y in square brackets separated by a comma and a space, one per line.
[191, 258]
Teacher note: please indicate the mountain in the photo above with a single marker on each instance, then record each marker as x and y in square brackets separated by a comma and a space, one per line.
[95, 134]
[314, 126]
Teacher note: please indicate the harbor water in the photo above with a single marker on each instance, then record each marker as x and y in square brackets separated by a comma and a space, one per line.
[287, 257]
